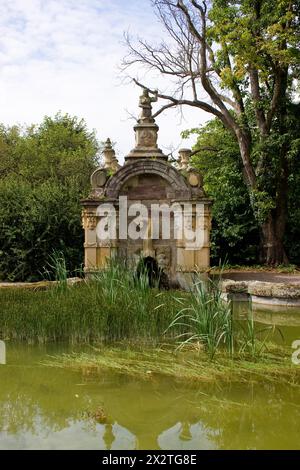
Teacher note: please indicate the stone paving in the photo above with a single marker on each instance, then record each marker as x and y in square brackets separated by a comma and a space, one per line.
[282, 278]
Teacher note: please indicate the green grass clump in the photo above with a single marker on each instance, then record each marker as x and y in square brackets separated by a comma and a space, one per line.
[112, 306]
[206, 319]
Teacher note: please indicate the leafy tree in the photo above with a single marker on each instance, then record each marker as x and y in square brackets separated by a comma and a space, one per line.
[44, 171]
[244, 55]
[58, 148]
[235, 231]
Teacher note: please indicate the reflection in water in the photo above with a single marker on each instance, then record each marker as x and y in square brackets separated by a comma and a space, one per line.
[109, 436]
[119, 438]
[75, 436]
[42, 408]
[286, 321]
[185, 433]
[2, 352]
[185, 436]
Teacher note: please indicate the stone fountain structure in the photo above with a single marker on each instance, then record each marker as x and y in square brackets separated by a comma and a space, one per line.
[147, 178]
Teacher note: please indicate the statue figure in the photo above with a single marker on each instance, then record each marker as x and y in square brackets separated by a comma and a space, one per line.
[146, 130]
[145, 104]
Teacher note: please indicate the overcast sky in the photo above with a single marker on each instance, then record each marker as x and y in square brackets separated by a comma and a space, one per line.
[64, 55]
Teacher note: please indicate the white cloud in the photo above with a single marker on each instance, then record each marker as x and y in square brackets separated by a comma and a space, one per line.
[64, 55]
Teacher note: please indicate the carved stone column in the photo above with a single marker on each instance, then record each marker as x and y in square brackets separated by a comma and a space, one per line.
[89, 223]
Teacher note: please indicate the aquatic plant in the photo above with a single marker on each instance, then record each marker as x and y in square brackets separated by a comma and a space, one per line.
[187, 365]
[206, 318]
[209, 321]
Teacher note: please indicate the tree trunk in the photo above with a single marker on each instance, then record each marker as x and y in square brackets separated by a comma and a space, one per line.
[272, 250]
[273, 230]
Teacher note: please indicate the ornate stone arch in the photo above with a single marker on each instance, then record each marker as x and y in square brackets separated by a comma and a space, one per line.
[178, 184]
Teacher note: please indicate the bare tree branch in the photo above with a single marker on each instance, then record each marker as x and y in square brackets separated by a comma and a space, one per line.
[180, 102]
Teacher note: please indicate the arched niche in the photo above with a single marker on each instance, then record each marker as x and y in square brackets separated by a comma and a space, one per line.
[176, 182]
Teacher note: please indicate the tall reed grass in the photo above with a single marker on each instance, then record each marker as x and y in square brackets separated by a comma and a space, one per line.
[114, 305]
[57, 269]
[208, 321]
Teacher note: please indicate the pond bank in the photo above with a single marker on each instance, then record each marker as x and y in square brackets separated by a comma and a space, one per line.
[285, 294]
[39, 285]
[261, 287]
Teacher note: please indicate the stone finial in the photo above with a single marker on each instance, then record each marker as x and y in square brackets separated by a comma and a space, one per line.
[193, 175]
[110, 159]
[184, 158]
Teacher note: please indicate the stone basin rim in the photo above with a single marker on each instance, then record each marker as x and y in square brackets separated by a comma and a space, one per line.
[266, 293]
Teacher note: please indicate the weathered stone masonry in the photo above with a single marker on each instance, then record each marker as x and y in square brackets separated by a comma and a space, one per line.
[147, 177]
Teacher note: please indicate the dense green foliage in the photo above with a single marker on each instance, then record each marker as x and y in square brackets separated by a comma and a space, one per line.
[235, 234]
[234, 229]
[258, 59]
[44, 171]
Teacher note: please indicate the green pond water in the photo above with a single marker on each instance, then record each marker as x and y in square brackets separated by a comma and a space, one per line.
[51, 408]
